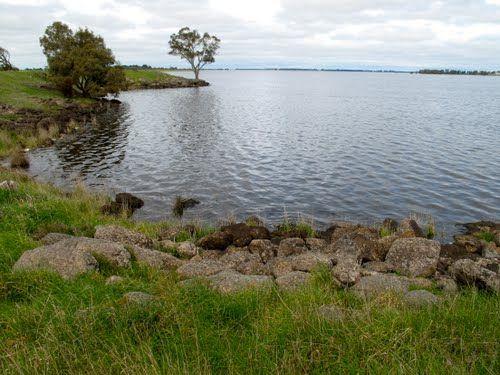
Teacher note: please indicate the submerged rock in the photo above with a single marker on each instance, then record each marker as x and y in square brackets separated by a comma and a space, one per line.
[129, 201]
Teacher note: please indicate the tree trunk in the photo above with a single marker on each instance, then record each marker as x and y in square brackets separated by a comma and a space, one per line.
[196, 74]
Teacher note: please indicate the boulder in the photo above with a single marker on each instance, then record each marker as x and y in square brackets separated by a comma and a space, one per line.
[377, 266]
[234, 258]
[67, 261]
[291, 246]
[242, 234]
[280, 266]
[253, 267]
[414, 256]
[293, 280]
[420, 298]
[201, 268]
[52, 238]
[447, 285]
[468, 272]
[409, 229]
[139, 298]
[113, 253]
[155, 259]
[230, 281]
[374, 285]
[347, 255]
[216, 241]
[307, 262]
[263, 248]
[187, 249]
[316, 244]
[122, 235]
[470, 243]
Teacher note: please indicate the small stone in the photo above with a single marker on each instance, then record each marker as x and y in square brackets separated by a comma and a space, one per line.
[139, 298]
[293, 280]
[420, 298]
[114, 280]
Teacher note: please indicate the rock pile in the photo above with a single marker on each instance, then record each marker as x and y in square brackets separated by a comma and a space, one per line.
[241, 256]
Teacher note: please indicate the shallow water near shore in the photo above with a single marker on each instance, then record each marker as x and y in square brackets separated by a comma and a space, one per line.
[323, 145]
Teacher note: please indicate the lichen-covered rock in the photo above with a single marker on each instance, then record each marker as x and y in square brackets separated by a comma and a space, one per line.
[293, 280]
[202, 268]
[347, 255]
[376, 266]
[187, 249]
[420, 298]
[234, 258]
[67, 261]
[374, 285]
[52, 238]
[112, 252]
[242, 234]
[414, 256]
[447, 285]
[316, 244]
[468, 272]
[470, 243]
[216, 241]
[409, 229]
[263, 248]
[230, 281]
[122, 235]
[291, 246]
[280, 266]
[155, 259]
[307, 262]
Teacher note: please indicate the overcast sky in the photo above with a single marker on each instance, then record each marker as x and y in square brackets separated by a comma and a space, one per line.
[397, 34]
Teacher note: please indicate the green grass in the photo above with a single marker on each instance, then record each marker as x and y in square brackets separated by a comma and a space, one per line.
[149, 75]
[49, 325]
[485, 236]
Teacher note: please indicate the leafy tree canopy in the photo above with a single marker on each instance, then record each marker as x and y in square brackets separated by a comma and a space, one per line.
[198, 50]
[5, 63]
[81, 60]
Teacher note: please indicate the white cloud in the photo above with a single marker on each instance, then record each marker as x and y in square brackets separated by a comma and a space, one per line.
[319, 33]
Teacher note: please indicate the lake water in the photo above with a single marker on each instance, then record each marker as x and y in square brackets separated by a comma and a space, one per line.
[322, 145]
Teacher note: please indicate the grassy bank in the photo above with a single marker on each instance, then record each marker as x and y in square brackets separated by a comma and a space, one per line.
[49, 325]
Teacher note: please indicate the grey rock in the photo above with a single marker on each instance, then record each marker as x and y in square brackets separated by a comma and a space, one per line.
[291, 246]
[155, 259]
[230, 281]
[346, 260]
[468, 272]
[202, 268]
[377, 266]
[280, 266]
[67, 261]
[293, 280]
[309, 261]
[263, 248]
[420, 298]
[52, 238]
[316, 244]
[122, 235]
[414, 256]
[372, 286]
[235, 258]
[447, 285]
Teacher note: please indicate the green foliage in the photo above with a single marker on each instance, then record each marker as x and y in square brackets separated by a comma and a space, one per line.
[485, 236]
[198, 50]
[385, 232]
[301, 228]
[81, 59]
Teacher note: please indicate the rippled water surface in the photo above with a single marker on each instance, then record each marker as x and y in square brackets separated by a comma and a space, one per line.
[326, 145]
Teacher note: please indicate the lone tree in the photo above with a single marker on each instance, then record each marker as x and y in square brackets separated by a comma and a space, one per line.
[197, 50]
[5, 63]
[81, 60]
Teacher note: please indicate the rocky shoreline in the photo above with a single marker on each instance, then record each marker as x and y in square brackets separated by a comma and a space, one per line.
[172, 82]
[249, 255]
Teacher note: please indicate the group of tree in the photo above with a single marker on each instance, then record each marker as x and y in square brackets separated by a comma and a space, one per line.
[456, 72]
[5, 63]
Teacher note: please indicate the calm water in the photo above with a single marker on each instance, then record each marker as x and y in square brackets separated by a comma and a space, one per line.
[326, 145]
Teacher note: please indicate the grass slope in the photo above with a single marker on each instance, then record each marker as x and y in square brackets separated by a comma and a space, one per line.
[49, 325]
